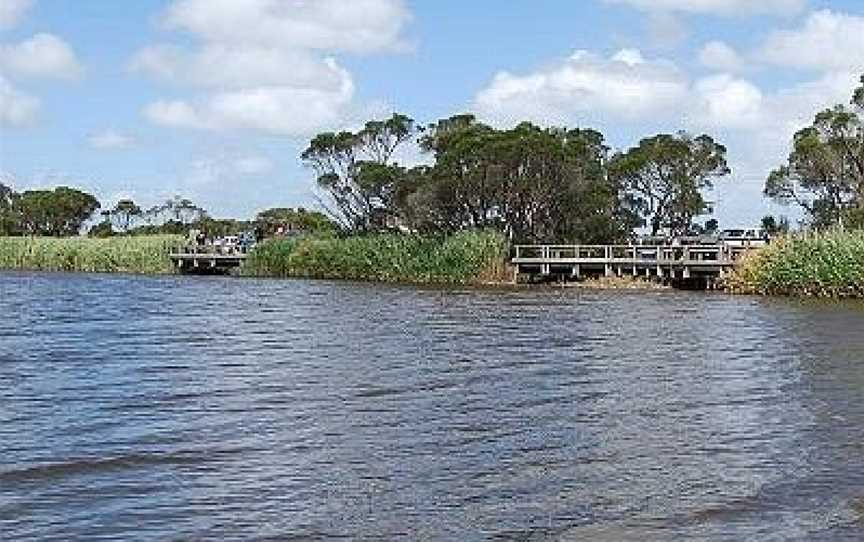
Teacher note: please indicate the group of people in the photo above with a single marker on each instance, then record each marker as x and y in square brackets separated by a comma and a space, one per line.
[230, 244]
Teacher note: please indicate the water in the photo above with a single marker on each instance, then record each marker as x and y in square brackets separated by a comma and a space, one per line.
[188, 408]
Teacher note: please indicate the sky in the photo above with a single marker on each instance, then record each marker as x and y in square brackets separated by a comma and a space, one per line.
[215, 99]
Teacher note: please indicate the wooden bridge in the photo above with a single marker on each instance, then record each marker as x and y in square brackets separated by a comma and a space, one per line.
[697, 265]
[208, 259]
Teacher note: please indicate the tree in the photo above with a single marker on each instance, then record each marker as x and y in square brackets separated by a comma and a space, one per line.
[824, 174]
[123, 215]
[711, 226]
[532, 183]
[666, 176]
[59, 212]
[357, 172]
[772, 226]
[297, 220]
[8, 219]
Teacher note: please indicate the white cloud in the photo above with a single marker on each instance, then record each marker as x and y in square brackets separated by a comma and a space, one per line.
[719, 7]
[274, 75]
[827, 41]
[16, 109]
[358, 26]
[238, 66]
[43, 55]
[718, 55]
[623, 86]
[175, 113]
[723, 101]
[270, 109]
[11, 11]
[109, 140]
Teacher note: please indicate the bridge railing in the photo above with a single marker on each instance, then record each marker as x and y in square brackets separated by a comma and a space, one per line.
[717, 254]
[212, 250]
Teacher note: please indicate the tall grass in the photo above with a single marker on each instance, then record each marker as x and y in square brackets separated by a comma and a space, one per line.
[467, 257]
[140, 254]
[827, 264]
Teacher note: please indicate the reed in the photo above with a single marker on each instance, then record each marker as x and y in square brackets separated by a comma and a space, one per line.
[139, 254]
[823, 264]
[467, 257]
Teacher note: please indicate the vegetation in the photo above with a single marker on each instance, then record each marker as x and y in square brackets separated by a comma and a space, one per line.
[466, 257]
[532, 184]
[826, 264]
[143, 254]
[824, 174]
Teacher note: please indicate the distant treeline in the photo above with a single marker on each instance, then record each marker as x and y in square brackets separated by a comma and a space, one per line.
[65, 212]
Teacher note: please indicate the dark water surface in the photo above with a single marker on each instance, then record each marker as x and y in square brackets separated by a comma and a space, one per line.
[216, 409]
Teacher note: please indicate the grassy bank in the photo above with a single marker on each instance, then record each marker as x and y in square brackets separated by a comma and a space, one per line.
[829, 264]
[143, 254]
[464, 258]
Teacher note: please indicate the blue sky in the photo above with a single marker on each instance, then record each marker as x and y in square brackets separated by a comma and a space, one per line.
[215, 99]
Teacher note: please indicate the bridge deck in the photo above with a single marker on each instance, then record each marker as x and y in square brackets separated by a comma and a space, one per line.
[207, 259]
[667, 262]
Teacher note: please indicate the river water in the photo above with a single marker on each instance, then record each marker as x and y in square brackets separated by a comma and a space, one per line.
[179, 408]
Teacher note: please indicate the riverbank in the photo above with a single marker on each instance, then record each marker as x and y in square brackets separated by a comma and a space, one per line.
[146, 254]
[827, 264]
[477, 257]
[464, 258]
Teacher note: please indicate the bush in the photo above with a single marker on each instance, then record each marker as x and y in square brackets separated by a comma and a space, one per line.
[141, 254]
[468, 257]
[827, 264]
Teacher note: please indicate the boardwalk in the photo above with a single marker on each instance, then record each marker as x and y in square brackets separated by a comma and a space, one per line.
[208, 259]
[697, 263]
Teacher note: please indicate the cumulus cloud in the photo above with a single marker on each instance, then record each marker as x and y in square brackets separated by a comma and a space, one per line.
[719, 7]
[43, 55]
[828, 41]
[11, 11]
[16, 108]
[110, 140]
[280, 110]
[623, 86]
[359, 26]
[718, 55]
[267, 65]
[724, 101]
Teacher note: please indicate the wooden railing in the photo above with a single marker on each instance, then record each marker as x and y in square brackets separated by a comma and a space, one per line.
[628, 254]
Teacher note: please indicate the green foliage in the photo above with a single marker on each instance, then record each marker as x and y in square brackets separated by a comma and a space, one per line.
[292, 219]
[467, 257]
[824, 174]
[357, 173]
[666, 175]
[9, 223]
[121, 254]
[531, 183]
[102, 229]
[59, 212]
[827, 264]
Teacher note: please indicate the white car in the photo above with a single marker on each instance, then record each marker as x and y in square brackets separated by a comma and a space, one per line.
[752, 237]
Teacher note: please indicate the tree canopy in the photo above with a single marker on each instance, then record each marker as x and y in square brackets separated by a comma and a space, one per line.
[824, 173]
[665, 176]
[59, 212]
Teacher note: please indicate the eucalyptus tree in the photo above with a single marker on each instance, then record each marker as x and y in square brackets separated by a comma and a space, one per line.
[358, 173]
[59, 212]
[8, 220]
[535, 184]
[824, 173]
[123, 215]
[666, 176]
